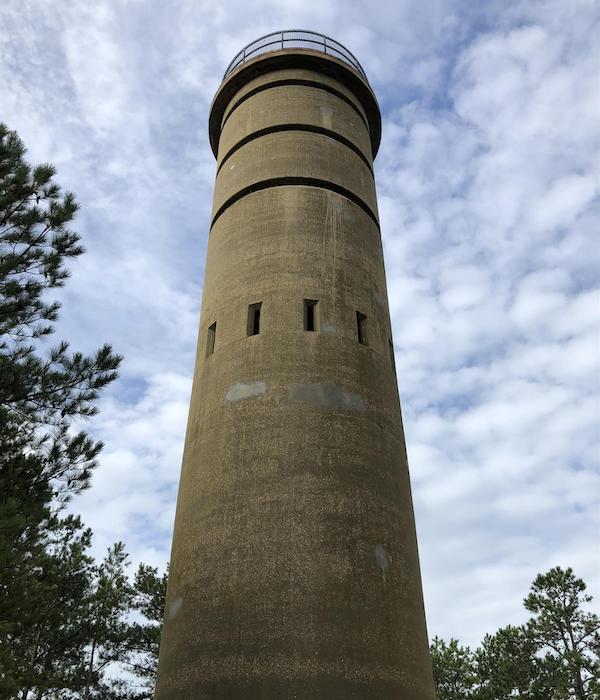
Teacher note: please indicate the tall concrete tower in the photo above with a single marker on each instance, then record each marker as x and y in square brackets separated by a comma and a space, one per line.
[294, 571]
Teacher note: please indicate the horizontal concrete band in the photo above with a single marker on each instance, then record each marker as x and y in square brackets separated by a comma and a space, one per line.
[295, 182]
[297, 64]
[311, 128]
[295, 81]
[295, 104]
[294, 154]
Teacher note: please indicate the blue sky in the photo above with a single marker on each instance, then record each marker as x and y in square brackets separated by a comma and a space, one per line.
[488, 188]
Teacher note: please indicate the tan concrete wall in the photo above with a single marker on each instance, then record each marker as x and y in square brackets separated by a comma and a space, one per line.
[295, 154]
[287, 76]
[294, 104]
[294, 571]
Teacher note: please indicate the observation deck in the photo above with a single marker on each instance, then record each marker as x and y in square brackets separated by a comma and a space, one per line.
[295, 49]
[295, 39]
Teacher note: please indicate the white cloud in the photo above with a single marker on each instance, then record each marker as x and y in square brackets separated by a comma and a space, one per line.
[487, 204]
[133, 493]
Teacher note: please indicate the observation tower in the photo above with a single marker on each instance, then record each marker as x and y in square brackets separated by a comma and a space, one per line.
[294, 570]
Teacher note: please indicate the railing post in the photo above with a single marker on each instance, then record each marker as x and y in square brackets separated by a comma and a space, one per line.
[282, 33]
[324, 44]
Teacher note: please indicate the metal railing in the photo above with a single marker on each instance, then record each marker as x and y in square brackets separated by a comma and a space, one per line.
[295, 38]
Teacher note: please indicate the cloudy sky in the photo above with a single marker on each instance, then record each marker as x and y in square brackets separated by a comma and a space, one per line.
[489, 196]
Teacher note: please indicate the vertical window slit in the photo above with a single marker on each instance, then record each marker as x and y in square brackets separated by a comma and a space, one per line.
[392, 355]
[210, 339]
[361, 328]
[310, 315]
[254, 318]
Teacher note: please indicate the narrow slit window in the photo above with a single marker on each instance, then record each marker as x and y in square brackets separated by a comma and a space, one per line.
[361, 328]
[310, 315]
[392, 355]
[254, 318]
[210, 339]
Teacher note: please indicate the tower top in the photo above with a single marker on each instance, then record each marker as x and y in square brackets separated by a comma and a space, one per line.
[294, 39]
[295, 48]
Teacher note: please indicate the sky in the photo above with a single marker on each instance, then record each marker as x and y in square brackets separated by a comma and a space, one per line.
[488, 188]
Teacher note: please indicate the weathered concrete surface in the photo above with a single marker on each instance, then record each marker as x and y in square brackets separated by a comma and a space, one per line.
[334, 75]
[281, 76]
[294, 570]
[295, 154]
[295, 105]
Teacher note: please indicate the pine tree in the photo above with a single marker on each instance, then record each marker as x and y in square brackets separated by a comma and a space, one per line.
[47, 642]
[554, 656]
[150, 591]
[107, 628]
[567, 635]
[43, 461]
[41, 394]
[453, 670]
[508, 667]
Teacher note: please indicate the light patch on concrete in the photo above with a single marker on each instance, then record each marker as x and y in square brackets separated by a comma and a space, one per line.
[241, 391]
[327, 116]
[349, 211]
[383, 560]
[330, 328]
[175, 607]
[379, 299]
[327, 395]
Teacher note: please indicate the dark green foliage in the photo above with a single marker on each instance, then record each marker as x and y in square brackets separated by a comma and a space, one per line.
[46, 578]
[508, 666]
[46, 645]
[77, 628]
[567, 636]
[40, 393]
[150, 590]
[108, 631]
[66, 621]
[555, 656]
[453, 670]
